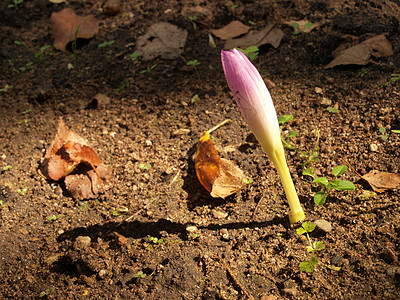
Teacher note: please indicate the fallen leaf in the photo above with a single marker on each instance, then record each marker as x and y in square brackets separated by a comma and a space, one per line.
[379, 46]
[382, 181]
[269, 35]
[304, 26]
[161, 39]
[65, 23]
[219, 176]
[360, 54]
[232, 30]
[68, 153]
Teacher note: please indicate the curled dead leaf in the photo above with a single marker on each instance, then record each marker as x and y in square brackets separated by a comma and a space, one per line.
[268, 35]
[161, 39]
[232, 30]
[382, 181]
[219, 176]
[65, 23]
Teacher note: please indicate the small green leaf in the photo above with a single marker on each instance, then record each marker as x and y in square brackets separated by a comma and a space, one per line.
[105, 44]
[308, 226]
[382, 130]
[247, 180]
[300, 231]
[309, 172]
[334, 268]
[321, 181]
[144, 166]
[332, 110]
[308, 266]
[5, 168]
[339, 170]
[320, 198]
[308, 24]
[293, 133]
[396, 131]
[344, 185]
[284, 119]
[134, 56]
[294, 25]
[318, 246]
[193, 62]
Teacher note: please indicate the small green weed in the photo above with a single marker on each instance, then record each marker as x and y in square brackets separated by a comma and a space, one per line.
[6, 88]
[251, 52]
[148, 70]
[339, 185]
[383, 134]
[39, 55]
[193, 62]
[286, 142]
[155, 240]
[47, 292]
[143, 166]
[54, 217]
[332, 110]
[16, 4]
[105, 44]
[394, 78]
[140, 274]
[313, 247]
[134, 56]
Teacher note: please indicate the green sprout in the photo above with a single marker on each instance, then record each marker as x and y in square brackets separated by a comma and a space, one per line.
[313, 247]
[140, 274]
[6, 88]
[251, 52]
[332, 110]
[155, 240]
[143, 166]
[194, 99]
[2, 204]
[282, 120]
[22, 191]
[296, 27]
[247, 180]
[16, 4]
[39, 55]
[123, 86]
[338, 185]
[148, 69]
[5, 168]
[47, 292]
[193, 62]
[383, 134]
[396, 131]
[134, 56]
[394, 77]
[105, 44]
[75, 42]
[54, 217]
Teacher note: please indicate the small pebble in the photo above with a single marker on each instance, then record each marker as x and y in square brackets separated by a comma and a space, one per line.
[149, 143]
[82, 242]
[373, 147]
[181, 131]
[225, 234]
[326, 101]
[318, 90]
[323, 225]
[192, 229]
[102, 273]
[219, 214]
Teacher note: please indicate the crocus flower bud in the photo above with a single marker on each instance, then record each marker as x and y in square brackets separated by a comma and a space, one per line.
[255, 103]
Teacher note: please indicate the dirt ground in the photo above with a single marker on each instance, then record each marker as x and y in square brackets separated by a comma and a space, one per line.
[157, 233]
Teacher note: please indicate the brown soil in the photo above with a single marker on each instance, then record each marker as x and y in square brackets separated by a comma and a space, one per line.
[242, 247]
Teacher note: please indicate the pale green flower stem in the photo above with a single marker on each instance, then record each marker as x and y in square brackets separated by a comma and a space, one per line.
[279, 160]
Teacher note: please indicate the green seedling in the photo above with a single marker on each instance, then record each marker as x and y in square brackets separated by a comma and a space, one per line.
[53, 217]
[282, 120]
[26, 111]
[338, 185]
[193, 62]
[75, 42]
[394, 77]
[134, 56]
[155, 240]
[39, 55]
[140, 274]
[296, 27]
[143, 166]
[332, 110]
[22, 191]
[16, 4]
[363, 72]
[193, 21]
[105, 44]
[251, 52]
[311, 156]
[312, 247]
[19, 43]
[383, 134]
[247, 180]
[6, 88]
[396, 131]
[2, 204]
[252, 23]
[123, 86]
[47, 292]
[194, 99]
[148, 69]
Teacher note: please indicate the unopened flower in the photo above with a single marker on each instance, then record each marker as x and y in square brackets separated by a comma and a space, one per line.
[255, 103]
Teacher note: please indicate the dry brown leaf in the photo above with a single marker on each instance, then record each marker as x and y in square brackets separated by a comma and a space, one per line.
[69, 153]
[232, 30]
[379, 46]
[65, 24]
[360, 54]
[161, 39]
[269, 35]
[220, 177]
[382, 181]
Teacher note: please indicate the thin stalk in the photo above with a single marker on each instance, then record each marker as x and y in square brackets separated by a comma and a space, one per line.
[279, 160]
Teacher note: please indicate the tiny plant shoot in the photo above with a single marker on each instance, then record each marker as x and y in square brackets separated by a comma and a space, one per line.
[251, 52]
[339, 185]
[313, 247]
[255, 103]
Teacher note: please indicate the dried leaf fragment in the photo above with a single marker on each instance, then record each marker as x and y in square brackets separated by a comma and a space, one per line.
[382, 181]
[65, 23]
[232, 30]
[360, 54]
[161, 39]
[70, 153]
[268, 35]
[220, 177]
